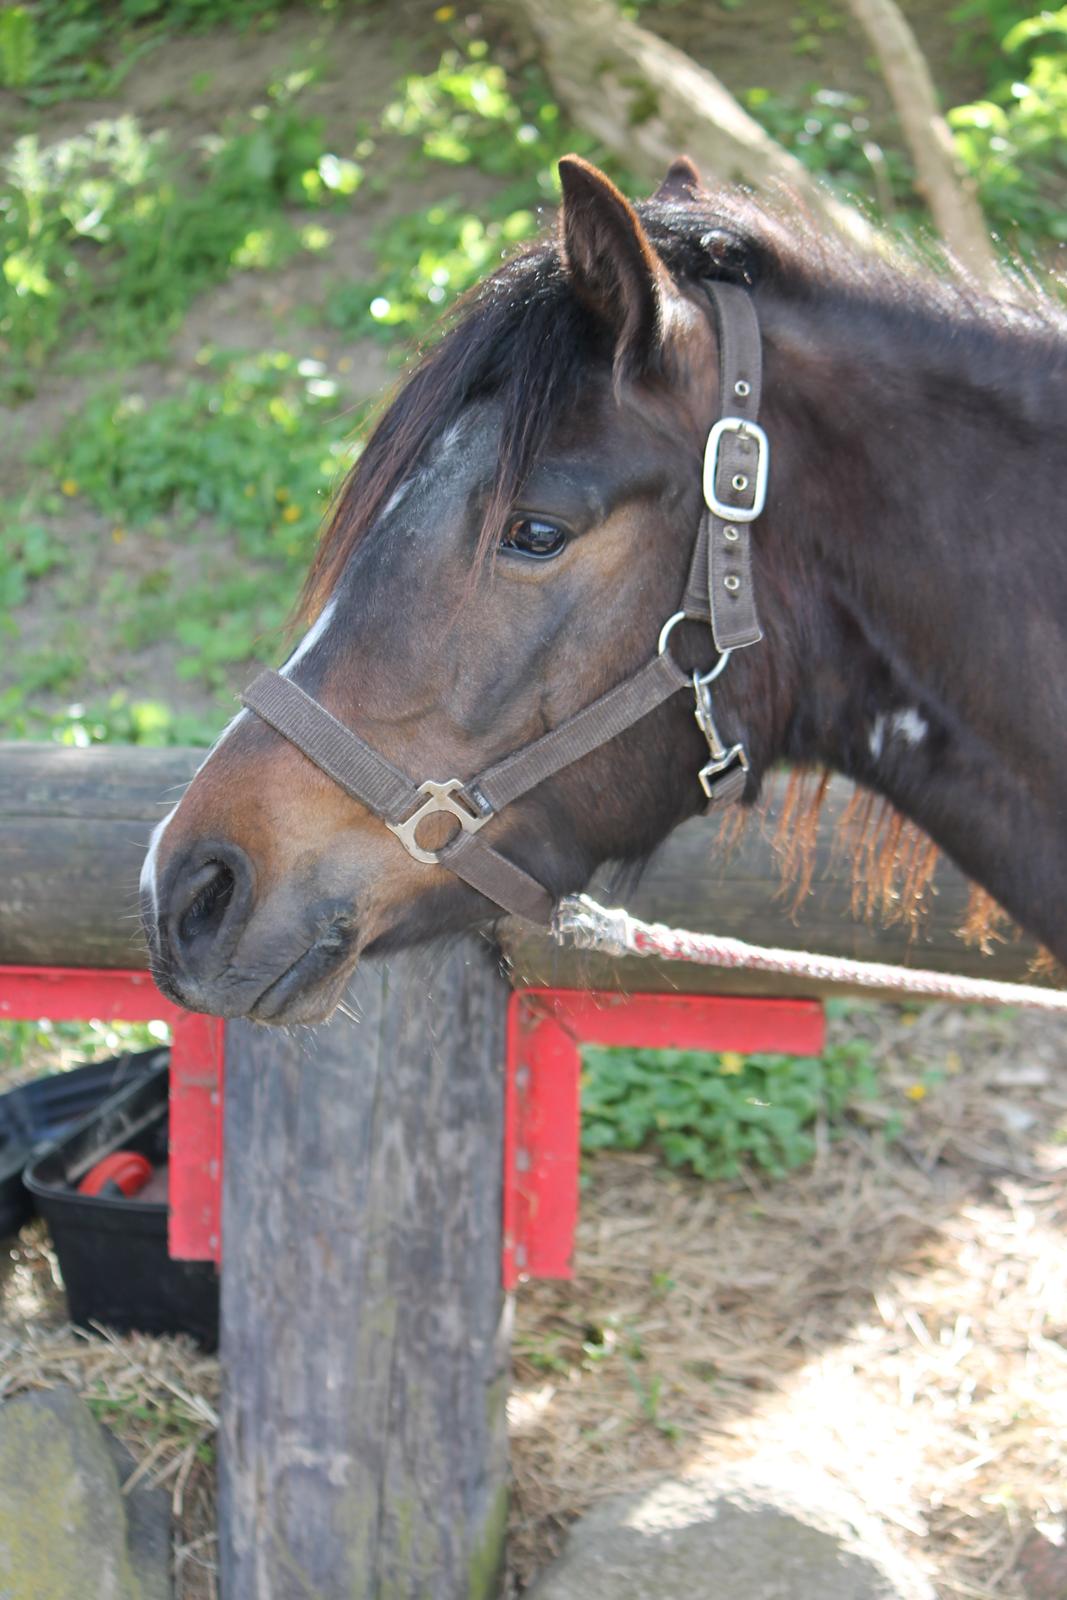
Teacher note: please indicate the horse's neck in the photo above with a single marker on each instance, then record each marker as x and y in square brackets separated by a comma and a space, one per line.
[931, 562]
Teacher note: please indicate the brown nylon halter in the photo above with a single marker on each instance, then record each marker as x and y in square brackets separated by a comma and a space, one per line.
[718, 590]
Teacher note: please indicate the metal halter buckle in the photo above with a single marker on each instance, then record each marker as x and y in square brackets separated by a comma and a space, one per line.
[752, 430]
[722, 758]
[439, 797]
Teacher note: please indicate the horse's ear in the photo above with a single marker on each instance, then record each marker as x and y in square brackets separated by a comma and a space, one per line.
[682, 184]
[611, 264]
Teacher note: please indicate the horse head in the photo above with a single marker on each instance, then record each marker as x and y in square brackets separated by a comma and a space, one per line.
[507, 549]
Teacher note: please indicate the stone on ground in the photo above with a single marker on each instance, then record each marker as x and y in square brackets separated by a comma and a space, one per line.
[1042, 1566]
[66, 1529]
[759, 1532]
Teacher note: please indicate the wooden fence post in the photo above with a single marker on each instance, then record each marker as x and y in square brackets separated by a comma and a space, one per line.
[363, 1448]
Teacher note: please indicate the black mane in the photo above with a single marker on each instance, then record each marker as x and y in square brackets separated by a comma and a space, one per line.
[522, 337]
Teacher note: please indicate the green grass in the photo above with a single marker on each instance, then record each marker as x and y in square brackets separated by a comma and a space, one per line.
[254, 447]
[53, 50]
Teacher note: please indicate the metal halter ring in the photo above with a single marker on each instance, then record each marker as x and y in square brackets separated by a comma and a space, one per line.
[439, 797]
[664, 635]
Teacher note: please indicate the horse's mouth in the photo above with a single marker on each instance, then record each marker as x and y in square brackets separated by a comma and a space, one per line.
[310, 989]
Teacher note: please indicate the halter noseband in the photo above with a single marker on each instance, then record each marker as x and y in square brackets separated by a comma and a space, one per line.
[718, 590]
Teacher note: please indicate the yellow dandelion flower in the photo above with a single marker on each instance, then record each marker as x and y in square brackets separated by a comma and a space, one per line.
[281, 495]
[118, 534]
[444, 13]
[70, 486]
[291, 514]
[916, 1091]
[730, 1062]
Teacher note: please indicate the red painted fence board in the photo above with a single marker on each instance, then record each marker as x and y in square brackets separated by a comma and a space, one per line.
[546, 1029]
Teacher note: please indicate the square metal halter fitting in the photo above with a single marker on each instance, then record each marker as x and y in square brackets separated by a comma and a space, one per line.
[439, 797]
[749, 430]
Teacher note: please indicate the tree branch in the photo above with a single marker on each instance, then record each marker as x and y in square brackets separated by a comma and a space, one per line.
[647, 102]
[940, 177]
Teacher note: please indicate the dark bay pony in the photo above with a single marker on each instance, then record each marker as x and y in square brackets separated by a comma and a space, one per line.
[521, 524]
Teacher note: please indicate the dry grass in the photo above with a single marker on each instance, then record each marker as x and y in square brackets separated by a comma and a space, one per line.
[895, 1317]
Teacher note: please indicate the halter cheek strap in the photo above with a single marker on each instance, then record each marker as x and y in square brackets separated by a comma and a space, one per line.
[718, 590]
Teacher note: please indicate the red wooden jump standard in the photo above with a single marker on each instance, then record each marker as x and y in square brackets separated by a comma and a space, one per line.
[546, 1029]
[79, 994]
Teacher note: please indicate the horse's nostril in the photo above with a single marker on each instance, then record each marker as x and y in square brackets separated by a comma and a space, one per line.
[207, 894]
[207, 901]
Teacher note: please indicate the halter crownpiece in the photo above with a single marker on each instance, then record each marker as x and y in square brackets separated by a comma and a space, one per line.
[718, 591]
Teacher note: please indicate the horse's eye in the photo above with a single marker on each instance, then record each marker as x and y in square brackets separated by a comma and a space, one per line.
[532, 536]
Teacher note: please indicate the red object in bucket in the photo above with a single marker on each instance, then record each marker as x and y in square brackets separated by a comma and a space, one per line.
[123, 1172]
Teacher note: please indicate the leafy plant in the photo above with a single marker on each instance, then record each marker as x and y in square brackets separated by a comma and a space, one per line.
[29, 1049]
[114, 224]
[81, 47]
[829, 131]
[18, 42]
[425, 260]
[1013, 141]
[465, 112]
[709, 1113]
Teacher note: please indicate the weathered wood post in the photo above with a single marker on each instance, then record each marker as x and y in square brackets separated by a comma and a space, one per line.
[363, 1450]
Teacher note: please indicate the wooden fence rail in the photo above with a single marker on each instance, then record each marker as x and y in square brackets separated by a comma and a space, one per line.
[74, 823]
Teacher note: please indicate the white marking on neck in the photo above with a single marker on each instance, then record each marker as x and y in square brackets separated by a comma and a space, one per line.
[908, 725]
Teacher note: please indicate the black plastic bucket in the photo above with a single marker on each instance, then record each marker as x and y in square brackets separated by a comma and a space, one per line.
[35, 1114]
[113, 1251]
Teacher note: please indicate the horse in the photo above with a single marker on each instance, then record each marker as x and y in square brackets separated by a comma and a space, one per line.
[519, 533]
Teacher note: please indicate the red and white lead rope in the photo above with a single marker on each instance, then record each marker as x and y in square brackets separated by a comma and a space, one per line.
[579, 921]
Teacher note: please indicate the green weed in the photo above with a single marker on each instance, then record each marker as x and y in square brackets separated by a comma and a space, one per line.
[829, 131]
[114, 228]
[425, 260]
[1013, 140]
[256, 447]
[711, 1113]
[70, 48]
[30, 1049]
[467, 112]
[18, 47]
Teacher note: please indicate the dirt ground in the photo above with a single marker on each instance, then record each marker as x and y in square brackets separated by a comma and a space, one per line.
[894, 1316]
